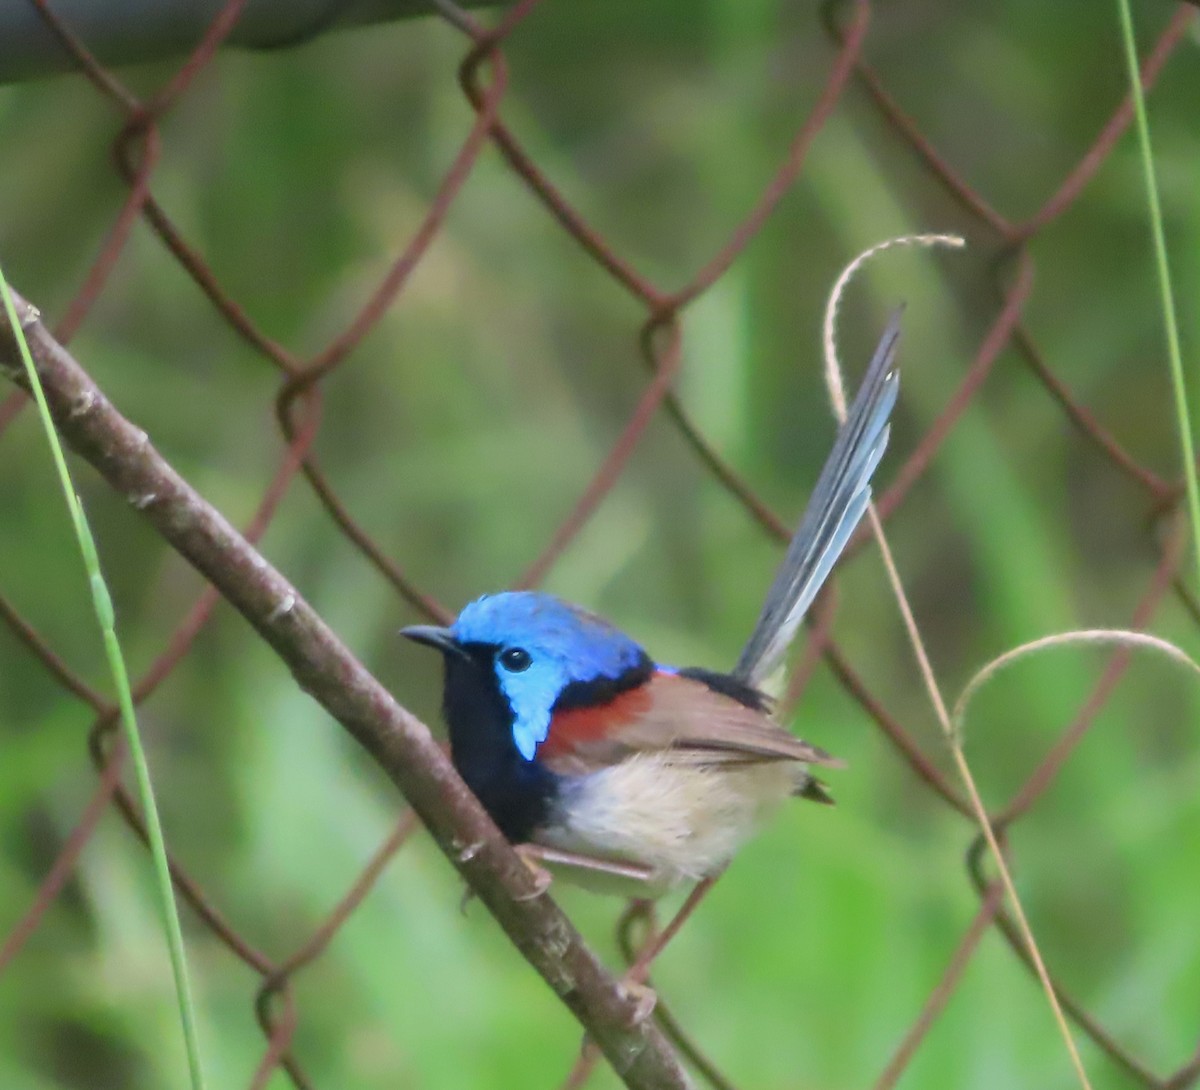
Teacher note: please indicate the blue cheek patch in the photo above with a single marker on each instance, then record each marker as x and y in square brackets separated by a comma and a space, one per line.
[531, 695]
[529, 735]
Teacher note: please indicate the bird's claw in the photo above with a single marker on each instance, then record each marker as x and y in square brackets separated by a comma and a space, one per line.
[645, 999]
[541, 877]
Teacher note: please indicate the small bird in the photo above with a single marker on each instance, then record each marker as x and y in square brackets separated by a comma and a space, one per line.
[613, 769]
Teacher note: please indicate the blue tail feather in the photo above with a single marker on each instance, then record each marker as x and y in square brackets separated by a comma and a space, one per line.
[837, 505]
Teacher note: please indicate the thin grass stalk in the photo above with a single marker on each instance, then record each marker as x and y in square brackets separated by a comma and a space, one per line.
[103, 609]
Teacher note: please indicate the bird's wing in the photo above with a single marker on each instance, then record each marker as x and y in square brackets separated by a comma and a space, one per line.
[835, 508]
[671, 713]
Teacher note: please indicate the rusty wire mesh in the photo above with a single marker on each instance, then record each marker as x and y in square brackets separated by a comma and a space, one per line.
[486, 79]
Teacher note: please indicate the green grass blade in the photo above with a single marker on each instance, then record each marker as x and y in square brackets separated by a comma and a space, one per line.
[1163, 269]
[102, 604]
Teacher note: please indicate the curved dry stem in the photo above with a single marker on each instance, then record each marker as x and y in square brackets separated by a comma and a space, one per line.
[833, 371]
[837, 395]
[1088, 637]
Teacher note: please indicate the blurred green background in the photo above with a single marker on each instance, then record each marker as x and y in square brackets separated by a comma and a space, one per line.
[462, 430]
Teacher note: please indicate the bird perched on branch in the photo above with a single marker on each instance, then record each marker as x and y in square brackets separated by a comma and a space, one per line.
[602, 763]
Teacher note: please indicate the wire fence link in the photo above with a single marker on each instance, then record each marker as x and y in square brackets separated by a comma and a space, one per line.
[484, 76]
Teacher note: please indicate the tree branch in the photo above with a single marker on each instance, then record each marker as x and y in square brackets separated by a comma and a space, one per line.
[325, 668]
[129, 31]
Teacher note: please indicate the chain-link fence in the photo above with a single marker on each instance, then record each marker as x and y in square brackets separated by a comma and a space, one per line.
[275, 269]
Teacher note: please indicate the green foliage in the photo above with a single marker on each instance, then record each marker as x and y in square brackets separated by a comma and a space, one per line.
[462, 430]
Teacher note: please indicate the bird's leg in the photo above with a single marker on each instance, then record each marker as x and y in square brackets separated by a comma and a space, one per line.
[537, 857]
[635, 976]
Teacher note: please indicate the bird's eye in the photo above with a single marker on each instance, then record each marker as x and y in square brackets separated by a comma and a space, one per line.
[515, 659]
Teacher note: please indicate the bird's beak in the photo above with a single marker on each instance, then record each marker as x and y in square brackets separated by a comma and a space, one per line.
[440, 638]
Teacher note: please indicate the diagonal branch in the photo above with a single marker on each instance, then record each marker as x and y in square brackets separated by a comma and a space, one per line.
[325, 668]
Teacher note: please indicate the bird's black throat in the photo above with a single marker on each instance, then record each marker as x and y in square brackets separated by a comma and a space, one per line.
[516, 793]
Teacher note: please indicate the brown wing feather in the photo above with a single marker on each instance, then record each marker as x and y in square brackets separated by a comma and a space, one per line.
[696, 724]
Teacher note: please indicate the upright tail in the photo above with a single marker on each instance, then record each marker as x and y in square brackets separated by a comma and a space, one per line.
[835, 508]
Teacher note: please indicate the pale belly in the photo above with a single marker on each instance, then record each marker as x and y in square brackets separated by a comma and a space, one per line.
[681, 821]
